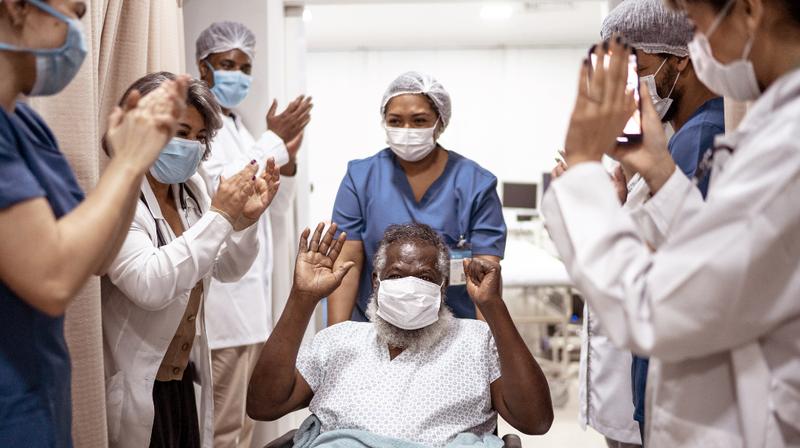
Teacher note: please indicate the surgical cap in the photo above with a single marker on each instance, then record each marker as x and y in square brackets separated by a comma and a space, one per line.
[649, 26]
[420, 83]
[225, 36]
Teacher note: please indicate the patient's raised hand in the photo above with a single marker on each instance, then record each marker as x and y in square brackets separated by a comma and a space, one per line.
[314, 276]
[484, 283]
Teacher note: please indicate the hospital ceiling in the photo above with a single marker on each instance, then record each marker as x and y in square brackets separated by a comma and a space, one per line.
[333, 25]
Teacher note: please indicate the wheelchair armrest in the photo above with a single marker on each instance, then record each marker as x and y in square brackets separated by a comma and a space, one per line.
[512, 441]
[284, 441]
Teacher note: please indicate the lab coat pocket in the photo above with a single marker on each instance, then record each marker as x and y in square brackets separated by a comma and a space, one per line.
[115, 397]
[784, 400]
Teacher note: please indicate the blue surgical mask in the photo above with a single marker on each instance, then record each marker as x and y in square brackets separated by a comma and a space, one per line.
[55, 67]
[178, 161]
[230, 87]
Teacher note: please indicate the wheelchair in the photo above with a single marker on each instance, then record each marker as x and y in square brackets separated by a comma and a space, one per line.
[287, 441]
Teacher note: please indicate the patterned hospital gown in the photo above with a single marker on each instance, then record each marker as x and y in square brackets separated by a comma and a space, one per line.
[427, 397]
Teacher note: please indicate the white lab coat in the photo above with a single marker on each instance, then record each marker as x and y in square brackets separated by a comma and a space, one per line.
[144, 298]
[716, 305]
[241, 313]
[604, 377]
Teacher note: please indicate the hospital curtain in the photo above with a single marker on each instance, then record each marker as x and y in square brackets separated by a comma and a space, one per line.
[126, 39]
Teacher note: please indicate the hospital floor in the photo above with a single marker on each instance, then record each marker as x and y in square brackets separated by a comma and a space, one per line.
[565, 432]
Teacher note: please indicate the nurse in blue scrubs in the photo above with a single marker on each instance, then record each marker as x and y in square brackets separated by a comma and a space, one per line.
[52, 236]
[415, 180]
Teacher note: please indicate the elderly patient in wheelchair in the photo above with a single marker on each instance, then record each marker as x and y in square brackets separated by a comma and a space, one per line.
[414, 376]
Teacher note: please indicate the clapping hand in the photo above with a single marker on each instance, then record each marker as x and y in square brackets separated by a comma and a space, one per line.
[484, 282]
[234, 193]
[290, 123]
[265, 188]
[314, 275]
[138, 131]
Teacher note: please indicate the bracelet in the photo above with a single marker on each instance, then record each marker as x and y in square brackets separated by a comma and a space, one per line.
[224, 215]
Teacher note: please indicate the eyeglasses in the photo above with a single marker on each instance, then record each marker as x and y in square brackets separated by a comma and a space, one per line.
[707, 162]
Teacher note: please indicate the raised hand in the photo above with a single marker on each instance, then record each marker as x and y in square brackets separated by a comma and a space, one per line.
[233, 194]
[314, 276]
[650, 158]
[603, 106]
[290, 123]
[484, 282]
[138, 131]
[265, 188]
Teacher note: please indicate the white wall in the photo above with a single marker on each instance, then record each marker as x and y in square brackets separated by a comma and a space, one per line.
[510, 109]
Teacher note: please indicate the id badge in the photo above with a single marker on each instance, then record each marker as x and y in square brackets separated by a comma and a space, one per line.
[457, 255]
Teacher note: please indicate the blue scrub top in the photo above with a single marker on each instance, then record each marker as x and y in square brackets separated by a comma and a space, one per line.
[35, 408]
[375, 193]
[687, 147]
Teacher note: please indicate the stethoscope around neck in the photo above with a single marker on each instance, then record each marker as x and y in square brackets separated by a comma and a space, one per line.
[183, 193]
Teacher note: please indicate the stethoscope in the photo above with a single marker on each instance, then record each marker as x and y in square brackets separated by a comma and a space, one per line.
[183, 194]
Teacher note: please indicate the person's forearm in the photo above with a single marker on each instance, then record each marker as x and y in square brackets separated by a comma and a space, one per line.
[524, 387]
[84, 233]
[273, 379]
[342, 301]
[121, 232]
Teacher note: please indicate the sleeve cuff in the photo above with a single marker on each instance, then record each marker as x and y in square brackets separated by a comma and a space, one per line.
[270, 145]
[667, 202]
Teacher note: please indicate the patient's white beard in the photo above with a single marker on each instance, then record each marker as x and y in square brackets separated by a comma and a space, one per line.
[411, 340]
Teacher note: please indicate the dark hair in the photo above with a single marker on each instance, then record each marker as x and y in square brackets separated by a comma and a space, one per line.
[198, 96]
[791, 7]
[413, 232]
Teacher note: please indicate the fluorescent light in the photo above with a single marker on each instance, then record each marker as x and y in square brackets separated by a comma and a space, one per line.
[497, 11]
[307, 16]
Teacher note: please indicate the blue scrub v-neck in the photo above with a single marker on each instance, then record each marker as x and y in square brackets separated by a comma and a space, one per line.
[375, 193]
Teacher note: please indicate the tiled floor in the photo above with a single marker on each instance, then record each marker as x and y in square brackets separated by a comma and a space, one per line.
[565, 432]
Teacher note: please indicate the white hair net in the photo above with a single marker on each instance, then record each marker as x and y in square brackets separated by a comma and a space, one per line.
[420, 83]
[225, 36]
[649, 26]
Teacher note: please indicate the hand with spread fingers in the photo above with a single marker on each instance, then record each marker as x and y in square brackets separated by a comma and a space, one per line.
[265, 188]
[603, 106]
[138, 131]
[234, 193]
[314, 274]
[484, 282]
[291, 122]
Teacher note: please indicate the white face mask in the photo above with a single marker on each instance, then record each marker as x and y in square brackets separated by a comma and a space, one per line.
[661, 105]
[409, 303]
[736, 80]
[411, 144]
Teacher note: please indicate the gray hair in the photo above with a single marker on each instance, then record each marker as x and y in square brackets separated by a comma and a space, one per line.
[198, 96]
[417, 233]
[411, 340]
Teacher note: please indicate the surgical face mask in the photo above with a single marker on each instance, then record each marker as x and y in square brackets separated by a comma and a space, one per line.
[409, 303]
[178, 161]
[411, 144]
[55, 67]
[661, 105]
[737, 79]
[230, 87]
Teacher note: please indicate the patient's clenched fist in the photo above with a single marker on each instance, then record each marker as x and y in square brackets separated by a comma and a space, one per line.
[484, 283]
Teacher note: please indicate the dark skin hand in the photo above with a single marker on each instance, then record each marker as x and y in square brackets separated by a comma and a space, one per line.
[288, 125]
[276, 387]
[521, 396]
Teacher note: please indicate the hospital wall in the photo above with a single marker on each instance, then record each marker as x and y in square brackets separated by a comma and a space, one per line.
[510, 108]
